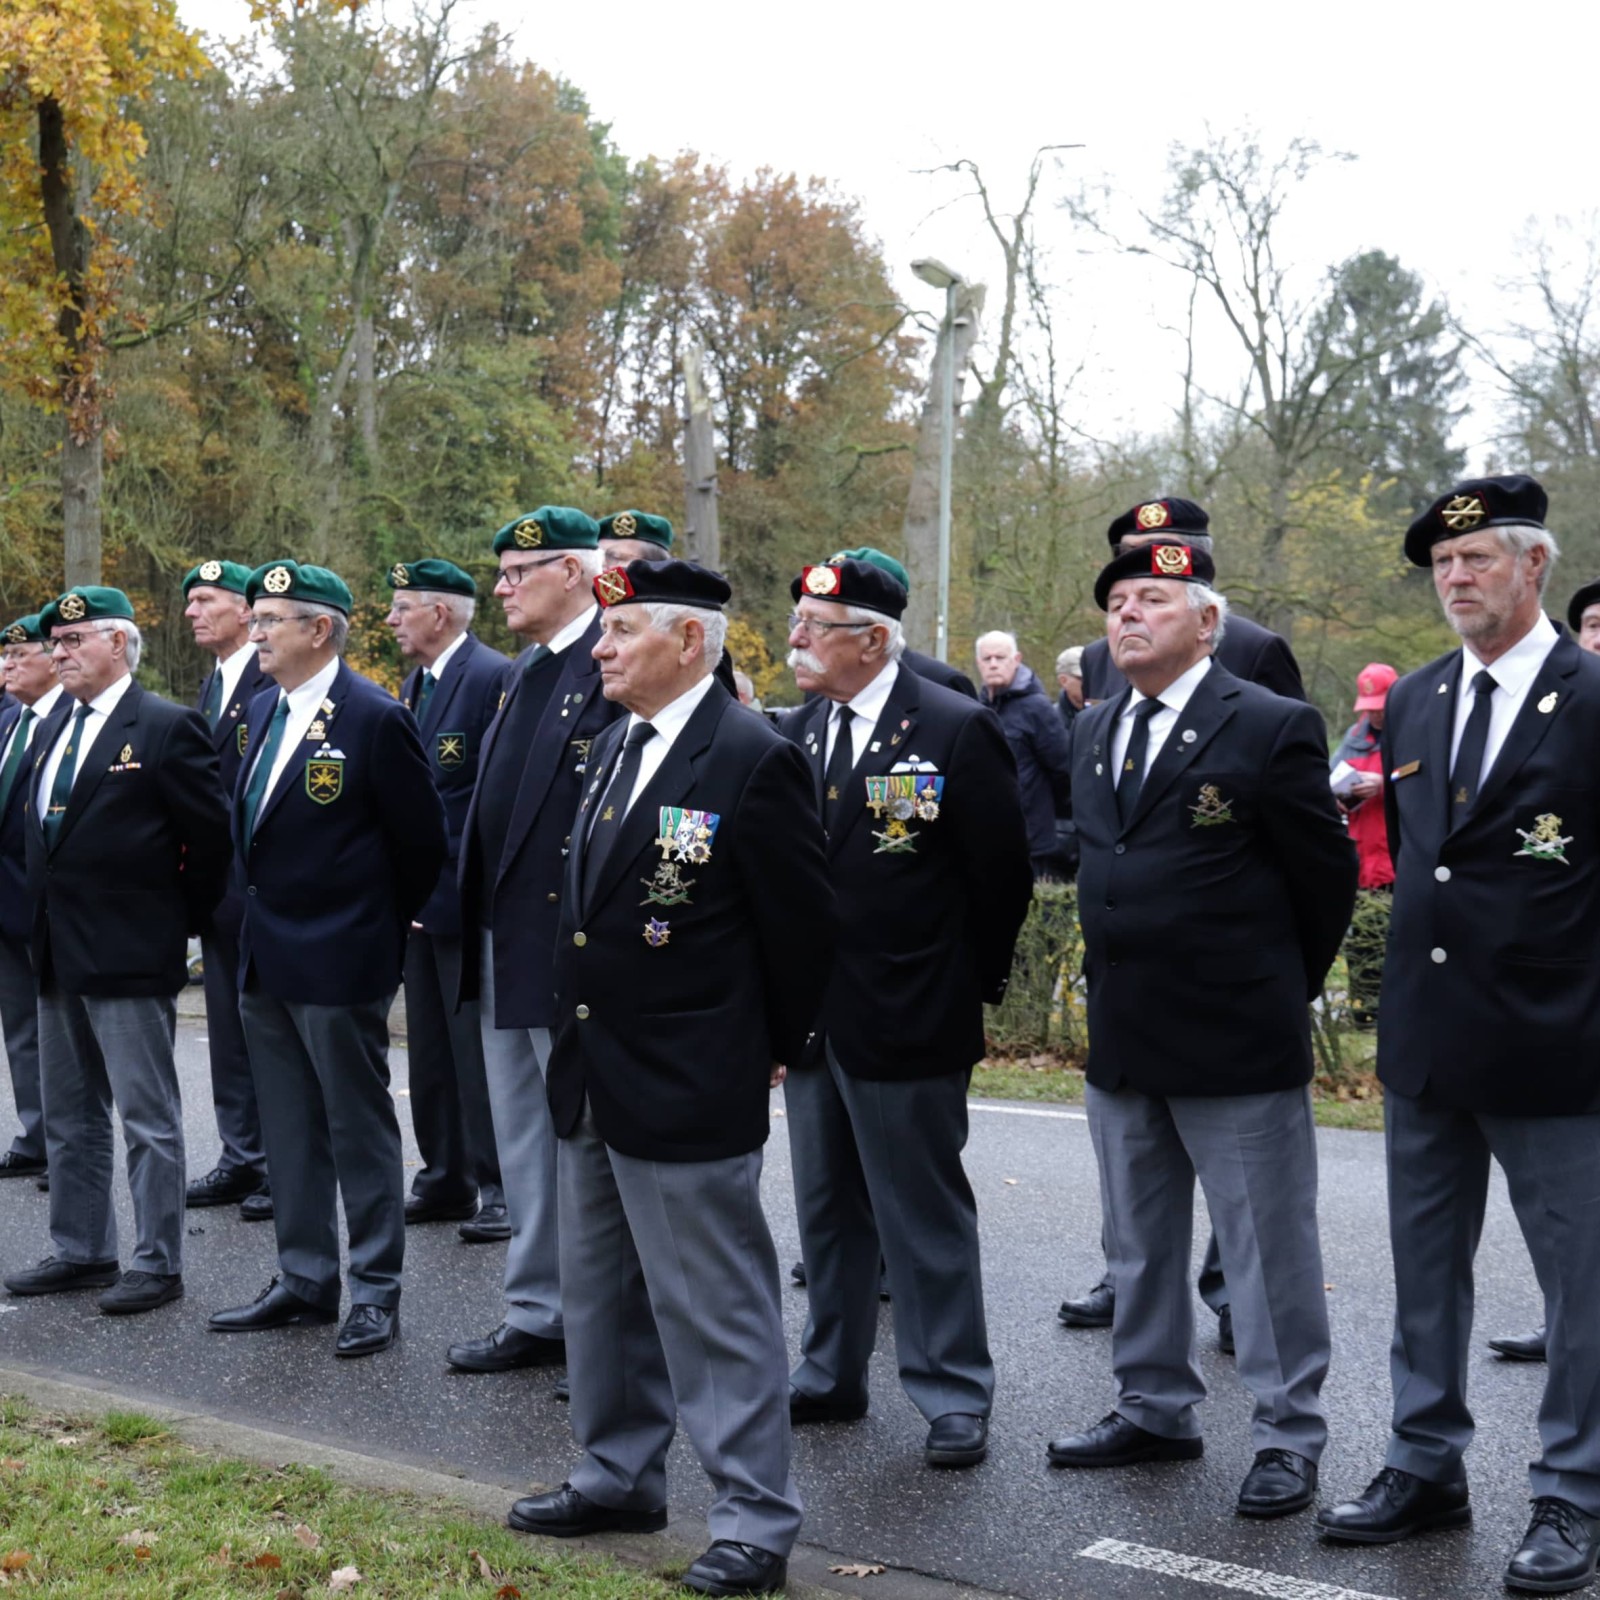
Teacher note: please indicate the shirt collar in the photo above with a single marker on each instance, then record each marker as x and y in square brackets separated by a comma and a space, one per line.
[232, 670]
[869, 703]
[443, 660]
[106, 701]
[573, 631]
[1519, 666]
[46, 703]
[313, 690]
[1176, 694]
[671, 719]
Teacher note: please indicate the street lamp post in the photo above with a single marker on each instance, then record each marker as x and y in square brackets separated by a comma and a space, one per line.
[939, 276]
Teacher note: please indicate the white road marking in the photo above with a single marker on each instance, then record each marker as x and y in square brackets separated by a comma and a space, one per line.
[1224, 1574]
[1030, 1111]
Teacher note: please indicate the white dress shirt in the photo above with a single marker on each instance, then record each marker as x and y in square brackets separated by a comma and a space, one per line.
[572, 633]
[232, 671]
[1174, 698]
[443, 660]
[41, 708]
[868, 707]
[305, 704]
[1513, 676]
[668, 722]
[100, 708]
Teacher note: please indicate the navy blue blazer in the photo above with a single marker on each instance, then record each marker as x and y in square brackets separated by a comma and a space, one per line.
[453, 725]
[1212, 917]
[1491, 988]
[16, 904]
[548, 780]
[141, 856]
[228, 740]
[347, 848]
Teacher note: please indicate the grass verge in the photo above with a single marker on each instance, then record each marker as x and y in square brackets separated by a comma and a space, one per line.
[1357, 1103]
[118, 1507]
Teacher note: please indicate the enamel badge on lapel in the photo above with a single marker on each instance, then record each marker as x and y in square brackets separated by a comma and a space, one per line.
[1212, 808]
[656, 933]
[1543, 841]
[581, 747]
[125, 755]
[1548, 704]
[318, 730]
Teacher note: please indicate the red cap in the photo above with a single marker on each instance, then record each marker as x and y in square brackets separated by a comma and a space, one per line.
[1372, 686]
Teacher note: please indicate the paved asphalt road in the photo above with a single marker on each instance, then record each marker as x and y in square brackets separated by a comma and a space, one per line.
[1013, 1525]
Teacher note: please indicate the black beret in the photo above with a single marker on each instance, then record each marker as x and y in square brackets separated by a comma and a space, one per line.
[673, 583]
[1181, 562]
[1587, 596]
[1511, 502]
[852, 583]
[1160, 516]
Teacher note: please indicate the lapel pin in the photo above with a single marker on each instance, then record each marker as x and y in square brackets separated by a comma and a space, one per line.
[876, 746]
[1189, 736]
[1098, 769]
[1444, 688]
[1548, 704]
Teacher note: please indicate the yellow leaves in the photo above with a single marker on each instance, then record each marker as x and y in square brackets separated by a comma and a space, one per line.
[858, 1569]
[15, 1560]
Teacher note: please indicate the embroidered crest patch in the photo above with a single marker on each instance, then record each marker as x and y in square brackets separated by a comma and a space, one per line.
[1212, 808]
[450, 750]
[324, 781]
[1544, 841]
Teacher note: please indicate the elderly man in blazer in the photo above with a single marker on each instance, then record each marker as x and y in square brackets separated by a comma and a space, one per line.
[917, 793]
[214, 603]
[38, 704]
[696, 929]
[127, 850]
[1490, 1045]
[453, 690]
[1215, 883]
[338, 839]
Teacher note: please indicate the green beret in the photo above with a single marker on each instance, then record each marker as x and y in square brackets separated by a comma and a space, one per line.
[884, 563]
[444, 577]
[637, 525]
[229, 575]
[549, 528]
[85, 603]
[25, 630]
[288, 580]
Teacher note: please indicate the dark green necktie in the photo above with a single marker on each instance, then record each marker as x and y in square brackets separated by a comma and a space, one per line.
[61, 789]
[256, 789]
[211, 706]
[425, 693]
[19, 749]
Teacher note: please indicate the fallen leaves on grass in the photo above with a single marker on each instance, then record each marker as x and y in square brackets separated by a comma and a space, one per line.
[266, 1561]
[309, 1537]
[343, 1579]
[15, 1560]
[859, 1569]
[140, 1538]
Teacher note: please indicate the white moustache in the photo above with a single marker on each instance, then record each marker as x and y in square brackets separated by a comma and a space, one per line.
[804, 658]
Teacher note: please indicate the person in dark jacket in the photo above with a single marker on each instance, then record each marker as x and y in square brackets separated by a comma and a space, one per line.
[1069, 676]
[1038, 742]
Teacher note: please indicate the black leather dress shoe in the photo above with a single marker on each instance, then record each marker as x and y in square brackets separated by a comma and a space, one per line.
[1394, 1506]
[506, 1349]
[1529, 1347]
[956, 1439]
[1557, 1552]
[13, 1164]
[805, 1408]
[275, 1307]
[256, 1207]
[1225, 1330]
[222, 1186]
[43, 1185]
[565, 1514]
[730, 1568]
[1094, 1310]
[1116, 1442]
[420, 1210]
[1279, 1483]
[53, 1275]
[492, 1225]
[562, 1391]
[141, 1291]
[367, 1330]
[797, 1274]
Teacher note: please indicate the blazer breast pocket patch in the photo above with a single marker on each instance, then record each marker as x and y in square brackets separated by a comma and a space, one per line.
[450, 750]
[324, 781]
[1210, 808]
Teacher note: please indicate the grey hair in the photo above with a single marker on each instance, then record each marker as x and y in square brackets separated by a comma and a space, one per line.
[1520, 538]
[1199, 596]
[1200, 541]
[339, 633]
[591, 563]
[895, 647]
[133, 640]
[1070, 662]
[662, 615]
[997, 633]
[459, 608]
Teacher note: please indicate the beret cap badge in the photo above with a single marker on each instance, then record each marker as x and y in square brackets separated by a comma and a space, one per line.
[1463, 513]
[624, 525]
[1171, 560]
[1153, 515]
[529, 535]
[210, 571]
[612, 586]
[16, 634]
[821, 580]
[277, 581]
[72, 608]
[400, 575]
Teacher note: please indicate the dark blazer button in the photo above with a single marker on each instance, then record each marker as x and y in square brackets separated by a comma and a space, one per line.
[252, 888]
[1122, 850]
[552, 898]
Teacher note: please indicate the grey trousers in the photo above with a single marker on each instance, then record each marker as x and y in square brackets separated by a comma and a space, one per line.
[877, 1171]
[322, 1083]
[1256, 1159]
[95, 1053]
[233, 1090]
[449, 1092]
[671, 1285]
[19, 1018]
[1438, 1159]
[514, 1063]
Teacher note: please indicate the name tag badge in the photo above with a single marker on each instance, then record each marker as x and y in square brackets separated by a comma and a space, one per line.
[1406, 771]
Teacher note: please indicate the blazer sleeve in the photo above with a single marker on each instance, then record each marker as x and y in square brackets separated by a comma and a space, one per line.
[785, 875]
[410, 810]
[1276, 669]
[1052, 746]
[1309, 841]
[191, 789]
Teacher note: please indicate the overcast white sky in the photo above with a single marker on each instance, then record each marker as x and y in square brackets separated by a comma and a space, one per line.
[1468, 119]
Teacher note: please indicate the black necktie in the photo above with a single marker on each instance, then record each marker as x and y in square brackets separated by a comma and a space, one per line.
[1468, 769]
[840, 765]
[614, 805]
[1132, 774]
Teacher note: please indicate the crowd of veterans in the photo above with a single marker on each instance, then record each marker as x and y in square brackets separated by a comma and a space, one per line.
[625, 904]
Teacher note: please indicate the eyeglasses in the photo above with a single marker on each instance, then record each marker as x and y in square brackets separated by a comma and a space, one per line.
[73, 642]
[811, 625]
[265, 624]
[513, 575]
[25, 652]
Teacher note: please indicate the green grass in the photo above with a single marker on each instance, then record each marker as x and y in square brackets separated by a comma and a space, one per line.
[119, 1508]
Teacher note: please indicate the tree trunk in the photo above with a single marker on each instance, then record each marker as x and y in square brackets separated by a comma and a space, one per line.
[920, 530]
[81, 471]
[702, 536]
